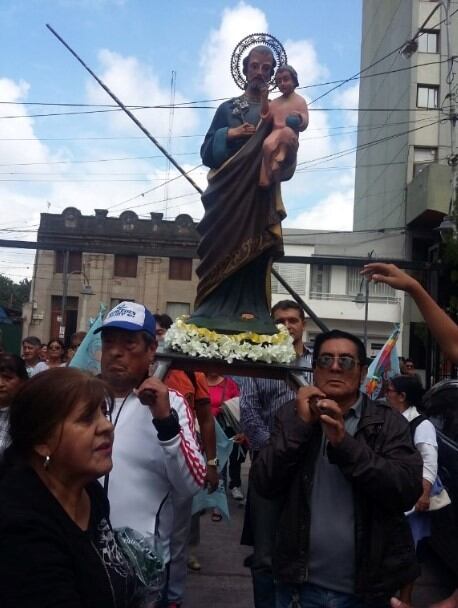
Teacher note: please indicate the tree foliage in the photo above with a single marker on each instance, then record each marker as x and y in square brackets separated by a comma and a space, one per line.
[14, 295]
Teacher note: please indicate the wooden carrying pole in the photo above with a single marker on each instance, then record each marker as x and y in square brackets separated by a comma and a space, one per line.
[127, 111]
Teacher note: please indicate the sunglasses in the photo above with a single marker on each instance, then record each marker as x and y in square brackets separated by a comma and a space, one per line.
[345, 362]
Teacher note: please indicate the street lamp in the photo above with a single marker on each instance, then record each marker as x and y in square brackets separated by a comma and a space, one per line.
[363, 299]
[447, 229]
[85, 292]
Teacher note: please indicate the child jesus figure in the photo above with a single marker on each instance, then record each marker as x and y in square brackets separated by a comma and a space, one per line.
[289, 116]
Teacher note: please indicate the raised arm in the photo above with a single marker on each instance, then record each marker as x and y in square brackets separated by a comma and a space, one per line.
[443, 328]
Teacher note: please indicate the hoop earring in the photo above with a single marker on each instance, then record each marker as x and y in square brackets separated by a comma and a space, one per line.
[46, 462]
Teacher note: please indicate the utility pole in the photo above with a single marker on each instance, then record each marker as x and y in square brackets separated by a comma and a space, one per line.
[64, 294]
[448, 226]
[452, 92]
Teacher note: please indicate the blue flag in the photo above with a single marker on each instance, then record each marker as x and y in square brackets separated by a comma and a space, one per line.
[89, 352]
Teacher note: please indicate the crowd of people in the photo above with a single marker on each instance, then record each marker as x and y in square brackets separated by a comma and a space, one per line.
[38, 357]
[339, 488]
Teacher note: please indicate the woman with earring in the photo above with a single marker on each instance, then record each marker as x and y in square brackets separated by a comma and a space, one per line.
[404, 394]
[56, 543]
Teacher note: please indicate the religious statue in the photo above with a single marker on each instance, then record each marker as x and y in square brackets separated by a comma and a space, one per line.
[289, 115]
[241, 229]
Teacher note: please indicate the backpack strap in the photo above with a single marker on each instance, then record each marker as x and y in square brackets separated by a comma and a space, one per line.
[413, 424]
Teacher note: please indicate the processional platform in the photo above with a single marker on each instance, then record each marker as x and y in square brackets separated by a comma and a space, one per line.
[169, 359]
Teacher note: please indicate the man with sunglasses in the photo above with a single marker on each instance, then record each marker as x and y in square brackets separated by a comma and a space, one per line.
[347, 470]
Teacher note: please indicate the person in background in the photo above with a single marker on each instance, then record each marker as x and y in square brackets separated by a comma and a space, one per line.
[163, 323]
[55, 352]
[75, 341]
[156, 455]
[56, 542]
[44, 353]
[260, 401]
[31, 348]
[186, 527]
[409, 370]
[13, 374]
[404, 395]
[222, 389]
[444, 331]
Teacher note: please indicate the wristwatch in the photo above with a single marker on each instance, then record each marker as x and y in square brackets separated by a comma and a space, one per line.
[213, 462]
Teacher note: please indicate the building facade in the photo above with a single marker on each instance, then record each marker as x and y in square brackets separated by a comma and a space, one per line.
[85, 261]
[403, 179]
[330, 289]
[404, 135]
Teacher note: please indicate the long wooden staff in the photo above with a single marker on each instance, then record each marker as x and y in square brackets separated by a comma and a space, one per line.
[127, 111]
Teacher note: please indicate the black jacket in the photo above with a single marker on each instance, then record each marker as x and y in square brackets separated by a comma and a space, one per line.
[386, 474]
[46, 560]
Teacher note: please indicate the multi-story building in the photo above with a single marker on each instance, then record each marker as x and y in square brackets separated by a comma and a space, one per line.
[83, 261]
[406, 97]
[404, 135]
[331, 286]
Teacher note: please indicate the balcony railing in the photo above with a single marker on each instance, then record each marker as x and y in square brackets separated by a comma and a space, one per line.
[345, 297]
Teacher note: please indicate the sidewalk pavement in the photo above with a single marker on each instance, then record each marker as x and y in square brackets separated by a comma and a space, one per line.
[223, 581]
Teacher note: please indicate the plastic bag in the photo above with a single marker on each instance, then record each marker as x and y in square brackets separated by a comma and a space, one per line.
[145, 555]
[216, 500]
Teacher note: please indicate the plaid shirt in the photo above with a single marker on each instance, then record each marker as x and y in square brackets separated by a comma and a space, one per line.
[4, 430]
[260, 400]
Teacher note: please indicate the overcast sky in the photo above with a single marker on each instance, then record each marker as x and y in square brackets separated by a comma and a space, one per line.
[52, 162]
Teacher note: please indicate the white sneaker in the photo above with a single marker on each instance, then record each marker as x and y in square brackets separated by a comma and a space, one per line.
[237, 494]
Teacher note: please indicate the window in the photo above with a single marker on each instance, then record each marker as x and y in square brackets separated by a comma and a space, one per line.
[427, 96]
[354, 286]
[125, 266]
[428, 41]
[320, 280]
[180, 269]
[422, 157]
[69, 322]
[176, 309]
[294, 275]
[74, 261]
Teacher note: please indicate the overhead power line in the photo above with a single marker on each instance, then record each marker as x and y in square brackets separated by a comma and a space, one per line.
[191, 104]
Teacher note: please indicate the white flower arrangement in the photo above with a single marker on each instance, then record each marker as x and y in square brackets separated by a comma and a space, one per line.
[247, 346]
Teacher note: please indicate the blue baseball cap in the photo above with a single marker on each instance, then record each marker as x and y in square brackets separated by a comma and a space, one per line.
[130, 316]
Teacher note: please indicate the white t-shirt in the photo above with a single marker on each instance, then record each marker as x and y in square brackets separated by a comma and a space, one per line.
[41, 366]
[426, 443]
